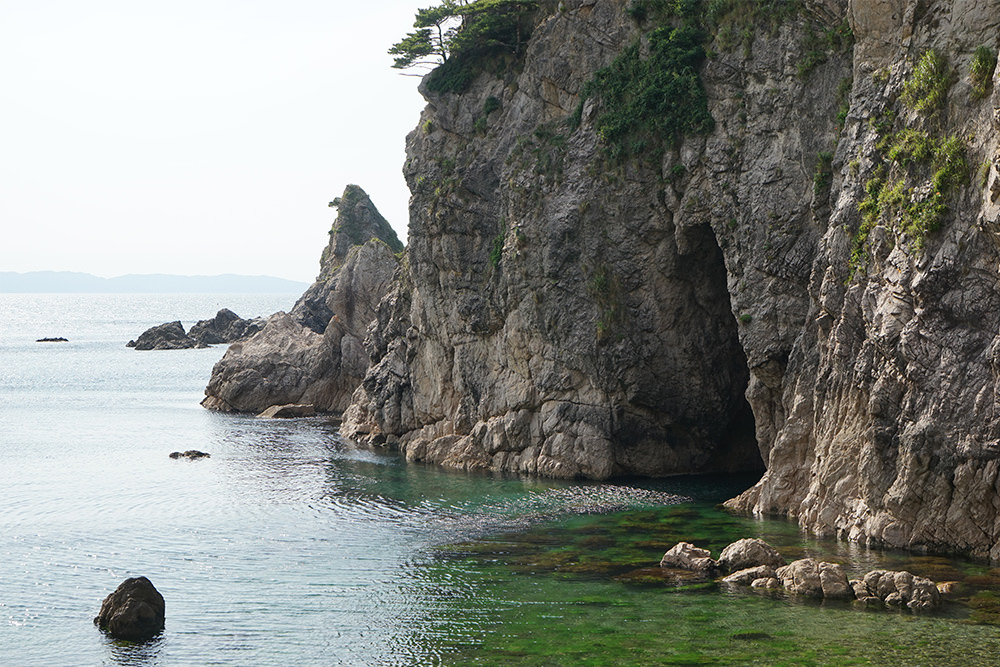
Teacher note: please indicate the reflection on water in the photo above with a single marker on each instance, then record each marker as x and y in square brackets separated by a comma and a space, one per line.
[130, 654]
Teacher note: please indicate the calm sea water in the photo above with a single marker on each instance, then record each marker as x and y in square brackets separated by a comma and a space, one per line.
[290, 546]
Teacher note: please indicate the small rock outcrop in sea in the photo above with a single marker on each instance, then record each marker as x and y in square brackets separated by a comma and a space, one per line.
[225, 327]
[290, 411]
[167, 336]
[134, 611]
[58, 339]
[190, 454]
[314, 354]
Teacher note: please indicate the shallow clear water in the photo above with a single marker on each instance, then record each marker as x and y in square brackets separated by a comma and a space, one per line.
[291, 547]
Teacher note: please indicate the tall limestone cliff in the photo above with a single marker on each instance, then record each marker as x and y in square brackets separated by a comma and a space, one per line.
[314, 354]
[808, 283]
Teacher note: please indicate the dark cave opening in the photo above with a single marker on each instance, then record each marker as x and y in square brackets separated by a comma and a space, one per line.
[735, 449]
[690, 413]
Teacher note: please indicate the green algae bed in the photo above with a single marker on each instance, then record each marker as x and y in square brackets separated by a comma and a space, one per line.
[587, 590]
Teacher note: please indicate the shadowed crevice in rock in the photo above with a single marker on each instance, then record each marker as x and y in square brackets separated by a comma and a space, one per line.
[691, 413]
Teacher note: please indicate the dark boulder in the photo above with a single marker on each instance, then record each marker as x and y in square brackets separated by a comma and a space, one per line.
[57, 339]
[135, 611]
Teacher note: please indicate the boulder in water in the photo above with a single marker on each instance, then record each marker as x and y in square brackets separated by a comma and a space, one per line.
[134, 611]
[813, 578]
[686, 556]
[747, 553]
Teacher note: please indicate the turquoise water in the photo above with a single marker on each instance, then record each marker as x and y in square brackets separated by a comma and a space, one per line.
[290, 546]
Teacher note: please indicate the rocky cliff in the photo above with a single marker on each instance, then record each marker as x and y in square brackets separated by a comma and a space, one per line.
[601, 281]
[314, 354]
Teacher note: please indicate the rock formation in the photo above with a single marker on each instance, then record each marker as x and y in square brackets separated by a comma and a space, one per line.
[314, 354]
[225, 327]
[817, 273]
[806, 281]
[134, 611]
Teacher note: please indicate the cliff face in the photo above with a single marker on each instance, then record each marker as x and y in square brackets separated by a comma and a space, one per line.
[314, 354]
[814, 290]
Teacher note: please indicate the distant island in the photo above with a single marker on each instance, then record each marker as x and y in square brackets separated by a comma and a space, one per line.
[85, 283]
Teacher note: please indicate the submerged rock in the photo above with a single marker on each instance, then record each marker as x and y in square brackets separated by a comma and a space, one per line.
[58, 339]
[134, 611]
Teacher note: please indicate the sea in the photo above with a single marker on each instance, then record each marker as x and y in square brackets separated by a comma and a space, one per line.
[292, 546]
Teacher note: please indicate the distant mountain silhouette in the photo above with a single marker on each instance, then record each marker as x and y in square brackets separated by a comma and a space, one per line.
[70, 281]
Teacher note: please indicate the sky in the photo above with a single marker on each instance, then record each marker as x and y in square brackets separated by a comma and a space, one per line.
[196, 137]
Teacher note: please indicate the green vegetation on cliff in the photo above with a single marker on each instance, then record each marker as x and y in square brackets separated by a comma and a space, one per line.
[918, 170]
[461, 38]
[649, 102]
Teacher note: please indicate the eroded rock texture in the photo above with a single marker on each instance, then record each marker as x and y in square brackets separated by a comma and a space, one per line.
[567, 314]
[314, 354]
[134, 611]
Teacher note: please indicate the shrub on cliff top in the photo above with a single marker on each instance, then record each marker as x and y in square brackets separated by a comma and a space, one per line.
[457, 38]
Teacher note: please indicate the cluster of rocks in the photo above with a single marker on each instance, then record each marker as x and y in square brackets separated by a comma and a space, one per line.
[225, 327]
[754, 563]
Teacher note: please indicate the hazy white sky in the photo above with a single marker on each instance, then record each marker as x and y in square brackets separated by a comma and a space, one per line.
[195, 137]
